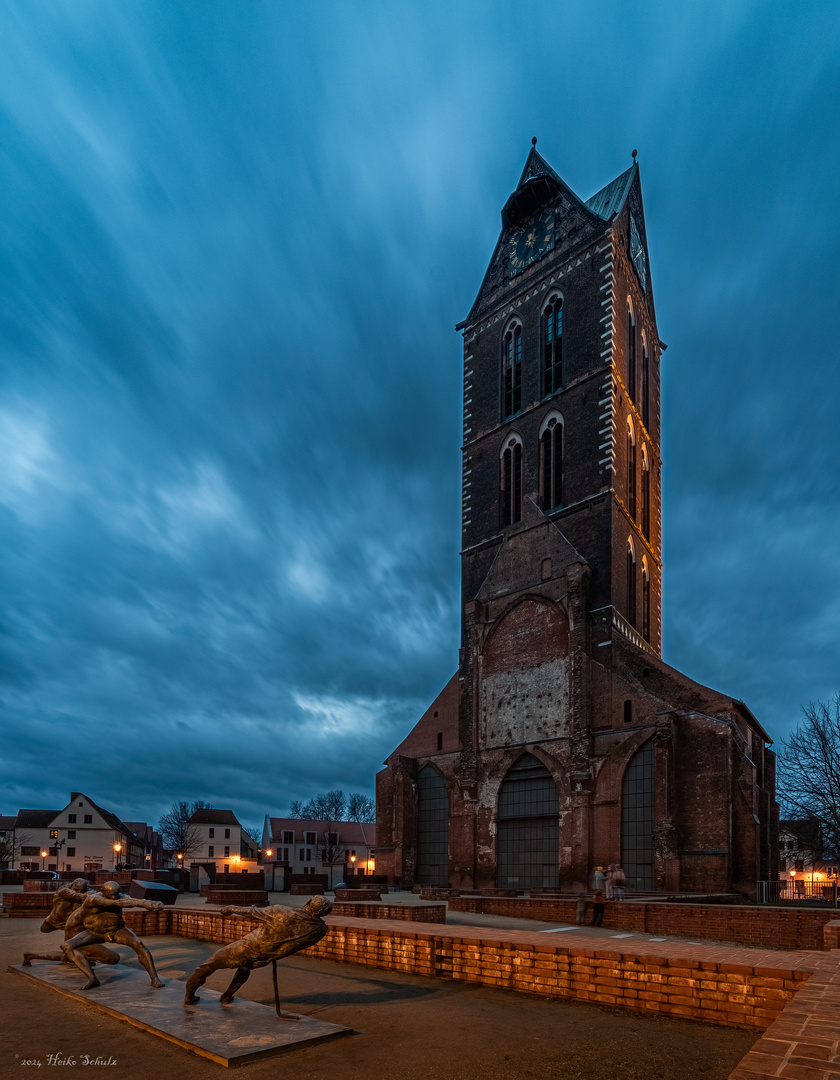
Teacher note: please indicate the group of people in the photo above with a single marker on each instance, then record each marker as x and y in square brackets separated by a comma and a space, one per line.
[609, 885]
[612, 882]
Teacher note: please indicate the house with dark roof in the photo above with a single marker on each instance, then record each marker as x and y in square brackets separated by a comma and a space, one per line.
[82, 836]
[219, 840]
[339, 849]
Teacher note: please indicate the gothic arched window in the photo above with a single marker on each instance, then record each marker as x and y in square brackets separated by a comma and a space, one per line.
[631, 353]
[631, 470]
[645, 600]
[645, 383]
[631, 582]
[645, 494]
[527, 824]
[637, 791]
[552, 340]
[551, 462]
[510, 485]
[512, 371]
[432, 828]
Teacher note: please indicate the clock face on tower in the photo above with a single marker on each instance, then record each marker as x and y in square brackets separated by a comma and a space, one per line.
[531, 241]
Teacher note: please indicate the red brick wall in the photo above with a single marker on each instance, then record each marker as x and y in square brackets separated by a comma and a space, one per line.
[425, 913]
[772, 928]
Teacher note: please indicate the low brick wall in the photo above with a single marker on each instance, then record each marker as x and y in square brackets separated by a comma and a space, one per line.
[27, 905]
[424, 913]
[434, 892]
[30, 886]
[771, 928]
[307, 890]
[358, 894]
[237, 897]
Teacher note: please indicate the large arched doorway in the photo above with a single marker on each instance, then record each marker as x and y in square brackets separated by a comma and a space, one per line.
[432, 828]
[527, 823]
[637, 793]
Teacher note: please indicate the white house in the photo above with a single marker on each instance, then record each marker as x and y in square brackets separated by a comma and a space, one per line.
[81, 837]
[305, 846]
[220, 840]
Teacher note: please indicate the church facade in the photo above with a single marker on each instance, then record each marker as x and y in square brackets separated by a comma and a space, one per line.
[563, 741]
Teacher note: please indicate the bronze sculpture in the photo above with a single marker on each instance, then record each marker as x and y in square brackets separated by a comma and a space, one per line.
[64, 916]
[282, 931]
[100, 919]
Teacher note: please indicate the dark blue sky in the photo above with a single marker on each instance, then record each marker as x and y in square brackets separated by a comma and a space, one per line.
[234, 244]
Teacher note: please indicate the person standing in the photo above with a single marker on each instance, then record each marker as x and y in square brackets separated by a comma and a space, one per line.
[598, 905]
[597, 882]
[608, 881]
[619, 881]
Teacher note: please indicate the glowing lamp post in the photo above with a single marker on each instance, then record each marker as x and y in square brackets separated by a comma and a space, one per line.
[117, 850]
[43, 856]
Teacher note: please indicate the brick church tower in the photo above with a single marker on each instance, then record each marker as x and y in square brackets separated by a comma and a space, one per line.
[564, 741]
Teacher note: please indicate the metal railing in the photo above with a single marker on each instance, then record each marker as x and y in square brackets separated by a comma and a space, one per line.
[798, 892]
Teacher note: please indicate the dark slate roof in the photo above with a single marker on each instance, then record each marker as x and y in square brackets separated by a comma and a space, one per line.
[610, 199]
[214, 817]
[35, 819]
[536, 165]
[7, 822]
[349, 832]
[111, 819]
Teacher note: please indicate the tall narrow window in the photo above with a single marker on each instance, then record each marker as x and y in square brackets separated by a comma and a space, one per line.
[631, 470]
[511, 483]
[645, 600]
[552, 333]
[645, 494]
[637, 795]
[527, 826]
[645, 383]
[631, 583]
[551, 464]
[432, 828]
[631, 354]
[512, 373]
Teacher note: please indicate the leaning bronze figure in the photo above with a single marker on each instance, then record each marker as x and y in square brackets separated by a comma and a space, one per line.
[282, 931]
[64, 916]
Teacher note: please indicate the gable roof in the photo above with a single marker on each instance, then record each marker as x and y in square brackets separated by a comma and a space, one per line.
[7, 822]
[209, 816]
[349, 832]
[107, 816]
[35, 819]
[607, 202]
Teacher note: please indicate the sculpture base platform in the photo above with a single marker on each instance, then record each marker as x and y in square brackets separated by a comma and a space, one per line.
[227, 1034]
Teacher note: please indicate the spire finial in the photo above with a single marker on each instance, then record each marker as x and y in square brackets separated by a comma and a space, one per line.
[534, 141]
[634, 156]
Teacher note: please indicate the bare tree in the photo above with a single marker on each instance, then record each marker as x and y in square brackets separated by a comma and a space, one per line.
[330, 850]
[808, 780]
[176, 830]
[361, 808]
[254, 831]
[334, 806]
[10, 845]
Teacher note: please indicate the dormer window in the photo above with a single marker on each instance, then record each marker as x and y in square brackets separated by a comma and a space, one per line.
[512, 371]
[552, 343]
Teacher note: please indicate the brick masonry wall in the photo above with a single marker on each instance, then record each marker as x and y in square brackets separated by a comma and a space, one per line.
[237, 897]
[27, 905]
[425, 913]
[772, 928]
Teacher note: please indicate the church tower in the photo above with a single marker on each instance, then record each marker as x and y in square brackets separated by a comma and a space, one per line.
[564, 741]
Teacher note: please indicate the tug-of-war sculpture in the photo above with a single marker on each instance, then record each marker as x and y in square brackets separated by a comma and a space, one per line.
[91, 918]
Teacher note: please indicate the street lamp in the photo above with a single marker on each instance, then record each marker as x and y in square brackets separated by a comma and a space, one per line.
[43, 856]
[117, 850]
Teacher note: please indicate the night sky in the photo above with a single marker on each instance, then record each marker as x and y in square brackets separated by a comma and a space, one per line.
[235, 241]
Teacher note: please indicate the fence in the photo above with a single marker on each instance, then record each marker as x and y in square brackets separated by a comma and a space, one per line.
[791, 891]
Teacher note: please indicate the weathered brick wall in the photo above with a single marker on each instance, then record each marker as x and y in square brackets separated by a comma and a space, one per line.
[425, 913]
[772, 928]
[237, 897]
